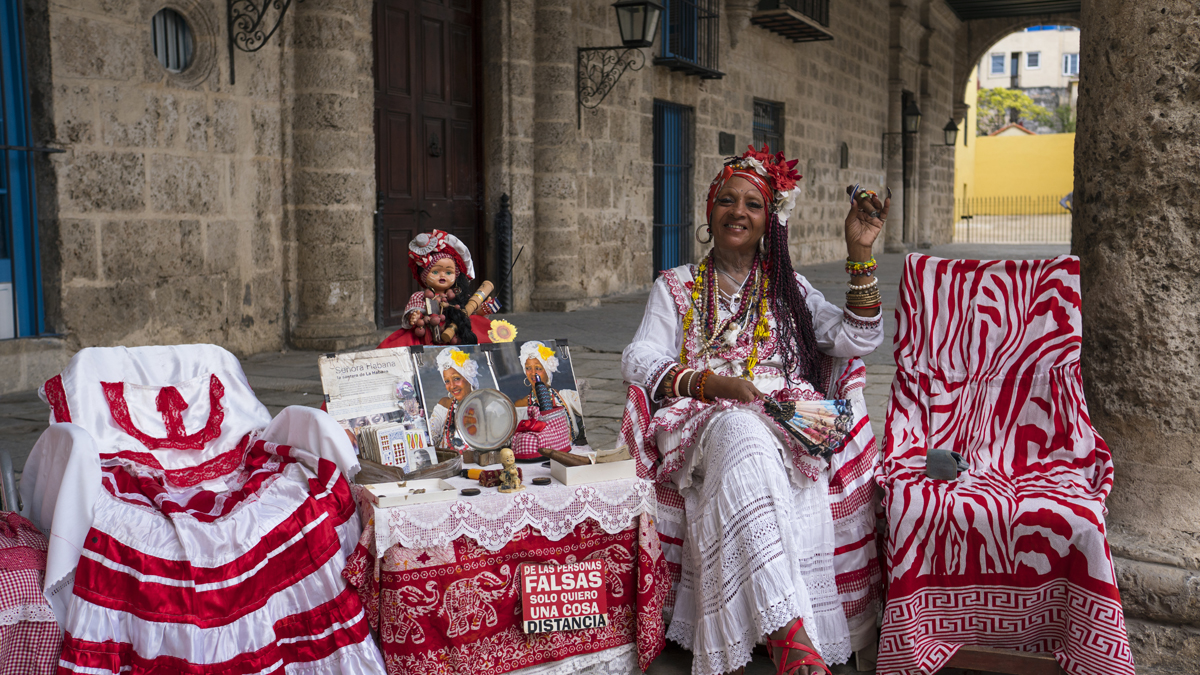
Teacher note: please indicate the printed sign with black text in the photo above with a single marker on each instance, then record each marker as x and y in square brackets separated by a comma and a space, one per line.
[563, 597]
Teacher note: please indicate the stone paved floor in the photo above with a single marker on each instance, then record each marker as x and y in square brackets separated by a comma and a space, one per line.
[596, 337]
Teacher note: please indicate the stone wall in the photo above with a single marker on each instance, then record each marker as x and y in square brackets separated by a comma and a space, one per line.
[833, 92]
[164, 222]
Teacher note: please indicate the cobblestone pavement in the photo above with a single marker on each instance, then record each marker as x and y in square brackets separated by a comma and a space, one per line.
[596, 337]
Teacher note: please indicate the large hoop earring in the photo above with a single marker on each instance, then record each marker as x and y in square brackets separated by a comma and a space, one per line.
[707, 228]
[527, 382]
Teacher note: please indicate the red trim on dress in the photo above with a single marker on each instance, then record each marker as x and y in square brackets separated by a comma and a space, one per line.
[170, 405]
[305, 629]
[57, 397]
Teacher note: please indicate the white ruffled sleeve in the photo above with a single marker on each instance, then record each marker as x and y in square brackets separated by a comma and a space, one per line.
[839, 332]
[655, 346]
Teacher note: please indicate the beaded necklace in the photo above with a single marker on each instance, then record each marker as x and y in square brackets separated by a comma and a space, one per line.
[713, 332]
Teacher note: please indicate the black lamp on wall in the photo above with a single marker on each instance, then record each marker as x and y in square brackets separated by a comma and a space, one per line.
[912, 118]
[597, 69]
[638, 21]
[951, 132]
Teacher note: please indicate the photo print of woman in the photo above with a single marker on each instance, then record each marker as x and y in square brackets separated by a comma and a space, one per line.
[446, 376]
[520, 364]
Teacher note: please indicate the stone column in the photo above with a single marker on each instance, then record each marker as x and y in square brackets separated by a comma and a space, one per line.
[922, 234]
[1136, 229]
[333, 174]
[893, 148]
[893, 145]
[556, 162]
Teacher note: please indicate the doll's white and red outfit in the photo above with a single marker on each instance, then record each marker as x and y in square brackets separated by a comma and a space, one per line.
[424, 250]
[189, 531]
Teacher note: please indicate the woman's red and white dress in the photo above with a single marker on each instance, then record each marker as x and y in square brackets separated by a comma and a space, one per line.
[758, 535]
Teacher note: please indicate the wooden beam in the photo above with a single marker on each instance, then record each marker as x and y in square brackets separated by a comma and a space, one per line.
[1006, 661]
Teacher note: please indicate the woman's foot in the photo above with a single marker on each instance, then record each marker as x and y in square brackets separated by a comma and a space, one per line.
[795, 655]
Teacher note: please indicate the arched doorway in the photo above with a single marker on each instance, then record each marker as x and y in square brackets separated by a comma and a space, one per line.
[1014, 160]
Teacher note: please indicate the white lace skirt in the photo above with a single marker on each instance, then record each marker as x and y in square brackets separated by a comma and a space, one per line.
[758, 549]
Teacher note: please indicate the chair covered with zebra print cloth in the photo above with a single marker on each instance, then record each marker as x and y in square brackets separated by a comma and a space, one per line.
[1012, 553]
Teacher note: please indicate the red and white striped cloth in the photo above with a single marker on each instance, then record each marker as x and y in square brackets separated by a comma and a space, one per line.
[211, 549]
[851, 499]
[1012, 554]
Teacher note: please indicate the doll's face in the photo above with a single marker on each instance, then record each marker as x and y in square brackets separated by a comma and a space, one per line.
[534, 370]
[507, 459]
[441, 275]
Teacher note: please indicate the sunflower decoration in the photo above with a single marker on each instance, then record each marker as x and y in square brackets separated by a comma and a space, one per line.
[502, 331]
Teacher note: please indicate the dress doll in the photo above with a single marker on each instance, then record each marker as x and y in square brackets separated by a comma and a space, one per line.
[442, 264]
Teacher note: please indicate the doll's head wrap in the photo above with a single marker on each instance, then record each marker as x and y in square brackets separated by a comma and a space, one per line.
[429, 247]
[773, 176]
[453, 358]
[536, 350]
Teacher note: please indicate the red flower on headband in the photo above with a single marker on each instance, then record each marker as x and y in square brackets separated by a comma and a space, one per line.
[781, 173]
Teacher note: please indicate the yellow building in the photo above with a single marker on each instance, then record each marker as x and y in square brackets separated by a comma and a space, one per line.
[1017, 165]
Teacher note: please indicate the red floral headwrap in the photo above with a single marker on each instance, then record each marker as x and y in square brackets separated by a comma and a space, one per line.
[781, 176]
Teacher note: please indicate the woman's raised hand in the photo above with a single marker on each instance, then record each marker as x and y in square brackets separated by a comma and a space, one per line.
[719, 386]
[864, 222]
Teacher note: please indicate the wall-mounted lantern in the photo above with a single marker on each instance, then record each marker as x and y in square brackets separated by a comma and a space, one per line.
[598, 69]
[912, 118]
[951, 132]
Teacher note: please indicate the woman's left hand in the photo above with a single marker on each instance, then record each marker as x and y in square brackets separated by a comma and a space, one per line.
[864, 222]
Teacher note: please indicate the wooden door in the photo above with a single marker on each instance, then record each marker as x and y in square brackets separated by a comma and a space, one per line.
[427, 133]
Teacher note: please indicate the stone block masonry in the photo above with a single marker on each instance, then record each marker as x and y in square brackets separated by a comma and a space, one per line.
[168, 207]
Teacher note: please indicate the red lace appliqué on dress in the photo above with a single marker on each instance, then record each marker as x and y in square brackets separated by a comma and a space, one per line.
[171, 406]
[56, 396]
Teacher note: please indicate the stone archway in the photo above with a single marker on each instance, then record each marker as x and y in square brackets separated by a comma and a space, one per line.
[978, 36]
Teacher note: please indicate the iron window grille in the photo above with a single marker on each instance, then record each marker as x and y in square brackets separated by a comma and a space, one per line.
[768, 125]
[172, 39]
[690, 37]
[673, 157]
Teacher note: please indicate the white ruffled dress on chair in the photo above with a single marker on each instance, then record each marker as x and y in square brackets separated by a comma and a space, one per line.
[189, 531]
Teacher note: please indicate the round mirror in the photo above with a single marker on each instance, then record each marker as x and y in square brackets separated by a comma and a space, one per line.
[486, 419]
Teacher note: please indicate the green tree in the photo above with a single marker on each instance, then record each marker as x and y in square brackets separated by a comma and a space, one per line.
[1064, 119]
[997, 107]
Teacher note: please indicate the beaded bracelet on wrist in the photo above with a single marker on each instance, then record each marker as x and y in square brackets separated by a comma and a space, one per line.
[874, 282]
[859, 269]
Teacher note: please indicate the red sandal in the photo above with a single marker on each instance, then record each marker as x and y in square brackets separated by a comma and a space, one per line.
[787, 644]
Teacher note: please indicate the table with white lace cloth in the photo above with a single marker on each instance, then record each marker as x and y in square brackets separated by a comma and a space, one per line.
[438, 579]
[492, 518]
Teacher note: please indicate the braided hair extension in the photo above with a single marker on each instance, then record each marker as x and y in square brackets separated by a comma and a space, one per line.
[455, 314]
[793, 322]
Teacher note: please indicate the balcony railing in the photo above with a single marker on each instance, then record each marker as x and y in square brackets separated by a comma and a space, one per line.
[690, 37]
[796, 20]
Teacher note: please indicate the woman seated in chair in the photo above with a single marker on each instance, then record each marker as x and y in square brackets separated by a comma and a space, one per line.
[717, 338]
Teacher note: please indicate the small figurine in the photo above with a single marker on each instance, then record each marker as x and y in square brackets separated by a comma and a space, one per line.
[444, 311]
[510, 477]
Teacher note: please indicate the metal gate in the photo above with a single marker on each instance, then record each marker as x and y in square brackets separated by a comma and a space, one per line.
[673, 156]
